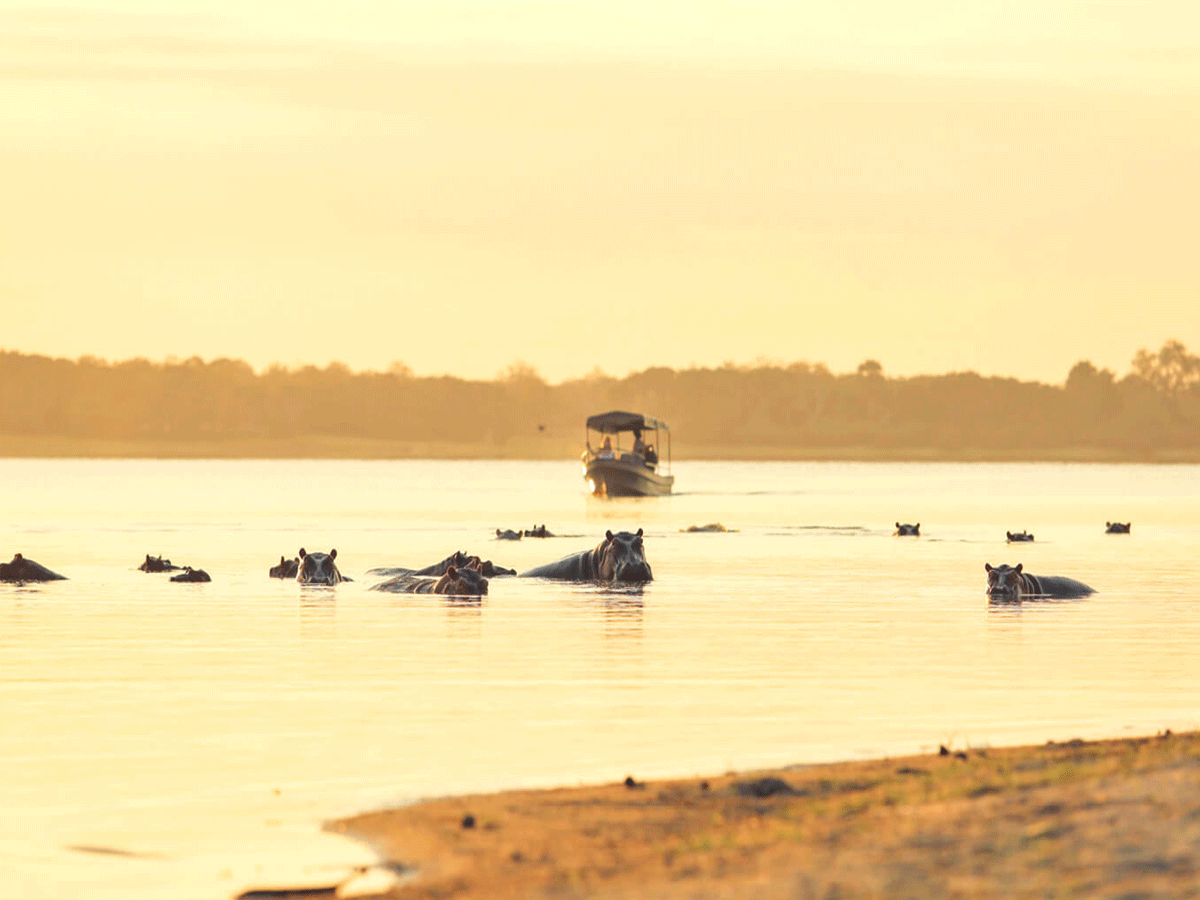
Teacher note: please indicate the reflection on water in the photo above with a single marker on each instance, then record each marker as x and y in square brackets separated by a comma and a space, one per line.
[167, 740]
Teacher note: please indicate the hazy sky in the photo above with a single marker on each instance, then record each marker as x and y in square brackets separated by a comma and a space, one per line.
[1002, 185]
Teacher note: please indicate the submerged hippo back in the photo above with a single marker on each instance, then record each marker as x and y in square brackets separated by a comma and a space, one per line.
[22, 569]
[318, 568]
[191, 575]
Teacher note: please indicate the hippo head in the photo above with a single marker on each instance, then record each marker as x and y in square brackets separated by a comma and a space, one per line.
[1003, 581]
[287, 568]
[12, 571]
[464, 581]
[486, 567]
[908, 529]
[318, 568]
[622, 559]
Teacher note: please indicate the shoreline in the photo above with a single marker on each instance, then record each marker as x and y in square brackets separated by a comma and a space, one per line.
[1118, 816]
[550, 449]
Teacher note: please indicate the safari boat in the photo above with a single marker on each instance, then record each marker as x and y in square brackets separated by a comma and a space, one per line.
[613, 471]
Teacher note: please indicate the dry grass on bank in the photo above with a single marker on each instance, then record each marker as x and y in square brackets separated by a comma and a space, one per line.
[1113, 819]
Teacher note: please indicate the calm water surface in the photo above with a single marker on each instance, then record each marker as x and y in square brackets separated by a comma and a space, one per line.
[186, 741]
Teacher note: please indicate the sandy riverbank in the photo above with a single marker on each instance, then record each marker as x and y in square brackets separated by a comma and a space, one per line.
[1117, 818]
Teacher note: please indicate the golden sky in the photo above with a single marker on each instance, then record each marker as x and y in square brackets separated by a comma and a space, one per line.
[1001, 185]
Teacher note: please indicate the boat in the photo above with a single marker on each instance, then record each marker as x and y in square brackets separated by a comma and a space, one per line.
[634, 472]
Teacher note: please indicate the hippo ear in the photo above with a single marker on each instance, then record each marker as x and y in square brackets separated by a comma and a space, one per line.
[333, 554]
[452, 571]
[639, 534]
[987, 567]
[918, 526]
[1108, 524]
[608, 536]
[897, 524]
[302, 553]
[1018, 568]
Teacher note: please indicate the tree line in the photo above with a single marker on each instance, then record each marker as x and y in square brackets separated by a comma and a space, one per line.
[764, 410]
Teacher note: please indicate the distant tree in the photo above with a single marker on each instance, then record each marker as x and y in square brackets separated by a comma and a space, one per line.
[520, 372]
[1171, 370]
[1085, 377]
[763, 405]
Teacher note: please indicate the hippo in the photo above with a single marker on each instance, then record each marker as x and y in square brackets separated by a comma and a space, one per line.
[458, 558]
[21, 570]
[618, 557]
[538, 531]
[1019, 537]
[908, 530]
[461, 582]
[287, 568]
[487, 568]
[507, 535]
[157, 564]
[1116, 527]
[1008, 583]
[190, 574]
[710, 528]
[318, 568]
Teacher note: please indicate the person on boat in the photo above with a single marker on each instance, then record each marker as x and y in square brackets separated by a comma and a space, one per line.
[651, 456]
[639, 447]
[606, 450]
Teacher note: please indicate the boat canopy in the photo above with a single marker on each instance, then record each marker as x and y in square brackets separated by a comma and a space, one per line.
[616, 421]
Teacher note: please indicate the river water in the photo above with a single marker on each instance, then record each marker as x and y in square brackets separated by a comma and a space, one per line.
[186, 741]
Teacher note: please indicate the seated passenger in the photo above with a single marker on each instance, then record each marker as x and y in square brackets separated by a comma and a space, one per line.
[606, 450]
[651, 456]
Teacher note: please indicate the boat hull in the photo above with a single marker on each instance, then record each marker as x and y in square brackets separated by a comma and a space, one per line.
[618, 478]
